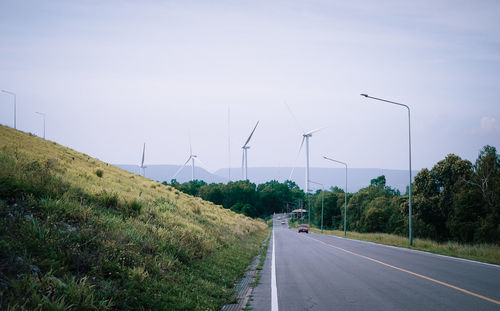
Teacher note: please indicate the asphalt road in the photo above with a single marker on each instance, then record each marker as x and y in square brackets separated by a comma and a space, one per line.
[320, 272]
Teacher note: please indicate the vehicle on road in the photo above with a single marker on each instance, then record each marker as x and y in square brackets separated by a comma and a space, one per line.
[282, 222]
[303, 228]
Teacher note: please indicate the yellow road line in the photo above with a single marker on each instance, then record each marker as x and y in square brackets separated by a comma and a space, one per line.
[412, 273]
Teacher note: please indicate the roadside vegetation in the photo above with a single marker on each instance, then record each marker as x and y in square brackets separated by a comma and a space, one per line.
[454, 203]
[79, 234]
[480, 252]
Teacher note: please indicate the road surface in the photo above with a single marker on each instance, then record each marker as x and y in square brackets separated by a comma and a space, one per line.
[320, 272]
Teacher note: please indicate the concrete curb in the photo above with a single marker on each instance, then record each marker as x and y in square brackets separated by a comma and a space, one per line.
[244, 288]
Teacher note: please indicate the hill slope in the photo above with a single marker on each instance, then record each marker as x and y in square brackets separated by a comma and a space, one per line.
[77, 233]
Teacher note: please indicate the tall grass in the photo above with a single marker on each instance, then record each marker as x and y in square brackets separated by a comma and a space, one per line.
[71, 239]
[481, 252]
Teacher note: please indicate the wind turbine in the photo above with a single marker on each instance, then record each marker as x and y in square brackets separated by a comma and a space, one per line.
[142, 167]
[305, 137]
[192, 157]
[244, 164]
[229, 143]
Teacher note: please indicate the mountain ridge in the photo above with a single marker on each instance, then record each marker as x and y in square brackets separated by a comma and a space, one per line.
[330, 177]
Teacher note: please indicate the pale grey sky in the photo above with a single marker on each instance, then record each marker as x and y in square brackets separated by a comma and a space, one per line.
[111, 75]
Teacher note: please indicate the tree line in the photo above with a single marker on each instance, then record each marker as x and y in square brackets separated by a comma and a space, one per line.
[456, 200]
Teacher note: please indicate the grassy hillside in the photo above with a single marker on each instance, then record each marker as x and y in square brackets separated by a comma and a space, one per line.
[79, 234]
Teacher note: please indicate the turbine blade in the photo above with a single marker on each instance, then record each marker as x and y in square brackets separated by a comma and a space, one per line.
[201, 162]
[314, 131]
[190, 147]
[294, 118]
[143, 151]
[250, 137]
[187, 160]
[301, 145]
[297, 158]
[180, 169]
[291, 173]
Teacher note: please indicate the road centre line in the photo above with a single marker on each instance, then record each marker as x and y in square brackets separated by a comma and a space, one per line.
[409, 272]
[274, 289]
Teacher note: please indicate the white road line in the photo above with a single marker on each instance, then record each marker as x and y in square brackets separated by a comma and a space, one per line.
[274, 289]
[411, 272]
[419, 251]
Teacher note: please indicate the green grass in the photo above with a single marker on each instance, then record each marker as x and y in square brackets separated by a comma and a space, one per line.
[484, 252]
[73, 240]
[262, 259]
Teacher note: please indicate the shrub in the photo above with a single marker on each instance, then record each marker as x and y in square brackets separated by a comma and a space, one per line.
[99, 173]
[108, 199]
[133, 208]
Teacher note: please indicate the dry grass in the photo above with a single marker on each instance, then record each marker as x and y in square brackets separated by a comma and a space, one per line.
[483, 252]
[79, 170]
[114, 241]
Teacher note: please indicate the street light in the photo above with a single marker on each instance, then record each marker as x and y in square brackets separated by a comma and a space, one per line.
[345, 193]
[409, 154]
[322, 199]
[13, 94]
[43, 116]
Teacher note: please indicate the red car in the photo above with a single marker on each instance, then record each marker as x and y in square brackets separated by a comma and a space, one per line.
[303, 228]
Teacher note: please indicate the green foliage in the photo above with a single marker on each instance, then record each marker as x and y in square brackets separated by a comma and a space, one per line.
[245, 197]
[378, 182]
[192, 187]
[22, 176]
[376, 209]
[108, 199]
[455, 200]
[99, 173]
[66, 248]
[333, 203]
[245, 209]
[460, 201]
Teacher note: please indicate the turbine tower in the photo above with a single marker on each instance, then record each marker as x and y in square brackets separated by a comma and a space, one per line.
[244, 163]
[192, 157]
[305, 137]
[142, 167]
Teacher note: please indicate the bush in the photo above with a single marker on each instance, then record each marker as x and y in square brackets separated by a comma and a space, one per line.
[99, 173]
[133, 208]
[20, 177]
[108, 199]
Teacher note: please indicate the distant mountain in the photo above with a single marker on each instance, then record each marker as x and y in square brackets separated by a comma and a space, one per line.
[357, 177]
[163, 173]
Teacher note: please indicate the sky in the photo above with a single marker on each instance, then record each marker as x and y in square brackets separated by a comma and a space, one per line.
[112, 75]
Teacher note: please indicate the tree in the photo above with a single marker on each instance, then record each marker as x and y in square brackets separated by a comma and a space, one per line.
[213, 193]
[190, 187]
[378, 182]
[331, 210]
[245, 209]
[241, 191]
[486, 179]
[486, 176]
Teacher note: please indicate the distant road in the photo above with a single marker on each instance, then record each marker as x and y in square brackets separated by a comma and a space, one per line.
[320, 272]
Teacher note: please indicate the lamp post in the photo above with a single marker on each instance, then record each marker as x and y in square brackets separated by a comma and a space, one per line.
[43, 116]
[345, 193]
[322, 199]
[13, 94]
[409, 157]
